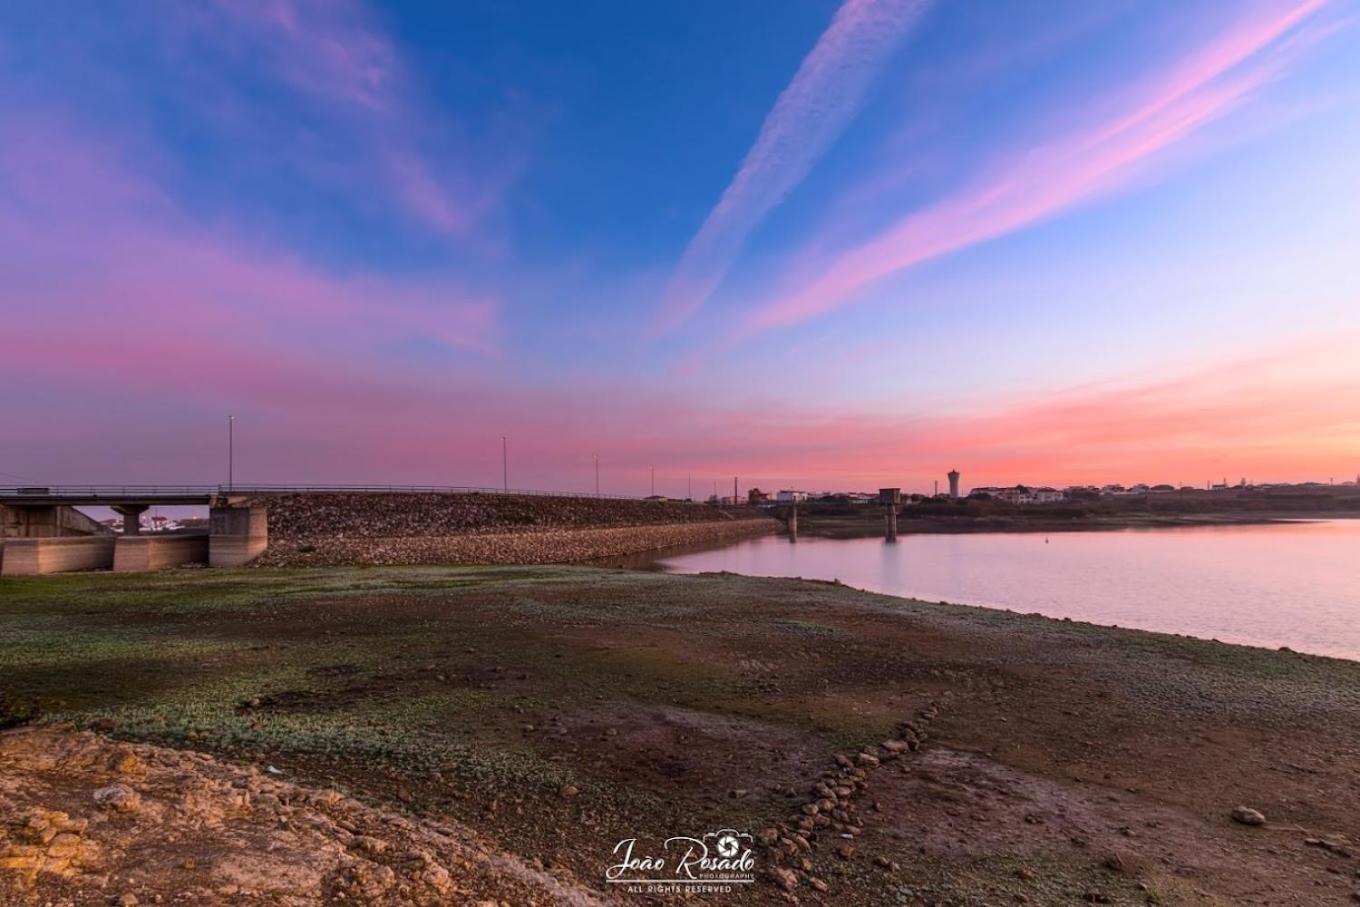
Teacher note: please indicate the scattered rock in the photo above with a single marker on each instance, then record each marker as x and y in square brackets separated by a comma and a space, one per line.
[125, 763]
[1248, 816]
[1338, 846]
[784, 878]
[119, 798]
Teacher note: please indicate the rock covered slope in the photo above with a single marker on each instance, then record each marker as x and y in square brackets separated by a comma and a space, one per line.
[333, 529]
[90, 820]
[301, 516]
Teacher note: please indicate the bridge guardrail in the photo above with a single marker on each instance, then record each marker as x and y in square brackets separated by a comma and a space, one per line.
[154, 491]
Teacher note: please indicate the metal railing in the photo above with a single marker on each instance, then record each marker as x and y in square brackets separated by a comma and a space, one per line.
[115, 492]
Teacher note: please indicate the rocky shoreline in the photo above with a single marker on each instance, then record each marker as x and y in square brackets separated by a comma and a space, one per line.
[338, 529]
[549, 546]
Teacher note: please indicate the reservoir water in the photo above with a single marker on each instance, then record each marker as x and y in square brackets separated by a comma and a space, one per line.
[1293, 584]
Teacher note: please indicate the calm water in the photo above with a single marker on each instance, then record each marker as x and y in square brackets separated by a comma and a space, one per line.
[1283, 584]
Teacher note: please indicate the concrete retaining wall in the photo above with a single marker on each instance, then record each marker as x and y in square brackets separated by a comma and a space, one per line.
[549, 546]
[132, 553]
[49, 521]
[238, 533]
[34, 557]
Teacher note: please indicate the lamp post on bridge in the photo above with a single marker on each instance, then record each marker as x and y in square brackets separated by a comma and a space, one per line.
[231, 452]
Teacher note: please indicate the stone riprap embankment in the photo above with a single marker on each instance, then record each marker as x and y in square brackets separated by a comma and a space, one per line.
[338, 528]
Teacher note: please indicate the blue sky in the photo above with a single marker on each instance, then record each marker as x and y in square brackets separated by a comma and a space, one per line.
[813, 244]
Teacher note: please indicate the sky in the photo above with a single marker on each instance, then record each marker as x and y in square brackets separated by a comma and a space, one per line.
[809, 245]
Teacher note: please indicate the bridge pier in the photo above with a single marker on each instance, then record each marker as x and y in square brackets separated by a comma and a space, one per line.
[132, 517]
[238, 533]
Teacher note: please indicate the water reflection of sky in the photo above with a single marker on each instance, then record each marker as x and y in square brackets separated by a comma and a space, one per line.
[1294, 584]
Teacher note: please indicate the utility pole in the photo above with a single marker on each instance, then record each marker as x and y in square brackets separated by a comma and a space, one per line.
[734, 490]
[689, 487]
[597, 475]
[653, 481]
[231, 452]
[505, 465]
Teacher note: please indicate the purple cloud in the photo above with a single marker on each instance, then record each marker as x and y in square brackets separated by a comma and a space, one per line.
[1042, 182]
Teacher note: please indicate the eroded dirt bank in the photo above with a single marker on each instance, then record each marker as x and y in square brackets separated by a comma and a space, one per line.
[878, 750]
[89, 820]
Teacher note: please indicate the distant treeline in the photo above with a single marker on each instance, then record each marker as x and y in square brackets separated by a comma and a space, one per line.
[1297, 499]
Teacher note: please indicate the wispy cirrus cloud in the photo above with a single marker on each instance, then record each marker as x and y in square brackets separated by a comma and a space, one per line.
[85, 238]
[1067, 171]
[810, 114]
[323, 49]
[336, 60]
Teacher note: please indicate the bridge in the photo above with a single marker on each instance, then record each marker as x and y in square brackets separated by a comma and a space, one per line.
[41, 531]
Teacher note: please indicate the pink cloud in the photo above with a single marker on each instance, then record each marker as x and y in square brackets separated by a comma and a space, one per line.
[1047, 180]
[322, 48]
[335, 57]
[85, 238]
[1282, 413]
[814, 109]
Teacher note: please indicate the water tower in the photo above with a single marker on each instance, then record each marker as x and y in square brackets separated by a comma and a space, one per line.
[953, 483]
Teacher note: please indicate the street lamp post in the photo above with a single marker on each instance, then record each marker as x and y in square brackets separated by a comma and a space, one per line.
[653, 481]
[231, 452]
[597, 475]
[505, 465]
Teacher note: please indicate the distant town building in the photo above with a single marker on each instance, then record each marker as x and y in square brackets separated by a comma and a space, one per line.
[1020, 494]
[756, 496]
[790, 496]
[953, 483]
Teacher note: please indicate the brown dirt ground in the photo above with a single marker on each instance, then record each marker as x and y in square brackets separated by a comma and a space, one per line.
[1066, 764]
